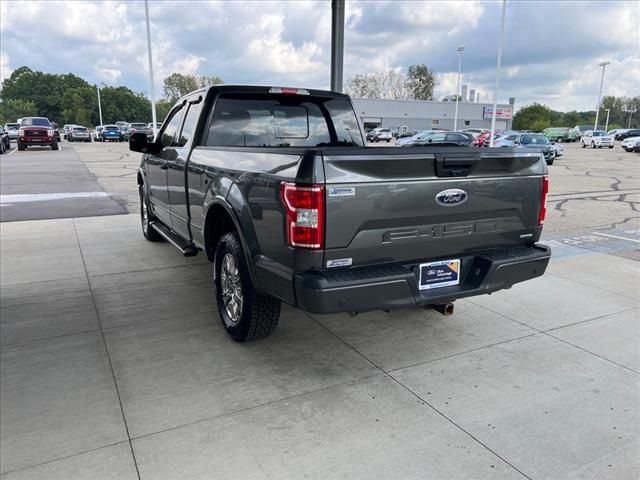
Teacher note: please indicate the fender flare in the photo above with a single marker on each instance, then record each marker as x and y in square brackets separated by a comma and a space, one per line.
[222, 202]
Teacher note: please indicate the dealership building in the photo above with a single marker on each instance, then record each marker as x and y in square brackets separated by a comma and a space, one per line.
[407, 115]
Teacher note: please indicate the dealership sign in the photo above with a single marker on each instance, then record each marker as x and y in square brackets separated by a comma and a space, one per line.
[504, 113]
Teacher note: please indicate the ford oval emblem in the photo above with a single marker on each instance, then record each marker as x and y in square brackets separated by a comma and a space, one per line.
[451, 197]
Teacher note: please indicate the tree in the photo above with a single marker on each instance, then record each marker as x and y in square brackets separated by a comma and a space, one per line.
[389, 84]
[421, 82]
[11, 110]
[177, 84]
[534, 117]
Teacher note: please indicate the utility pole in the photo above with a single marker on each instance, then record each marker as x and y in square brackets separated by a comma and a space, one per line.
[603, 65]
[337, 44]
[460, 50]
[498, 65]
[151, 84]
[606, 125]
[99, 104]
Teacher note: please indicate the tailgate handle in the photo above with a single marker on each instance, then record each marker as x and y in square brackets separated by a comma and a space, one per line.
[456, 166]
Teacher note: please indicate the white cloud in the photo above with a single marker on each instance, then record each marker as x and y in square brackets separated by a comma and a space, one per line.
[551, 49]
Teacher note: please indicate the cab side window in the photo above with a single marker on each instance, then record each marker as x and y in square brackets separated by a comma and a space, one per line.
[168, 136]
[189, 127]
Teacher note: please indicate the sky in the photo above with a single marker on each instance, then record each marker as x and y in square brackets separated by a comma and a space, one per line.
[551, 49]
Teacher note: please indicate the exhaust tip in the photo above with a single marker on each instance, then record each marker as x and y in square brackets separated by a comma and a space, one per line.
[445, 309]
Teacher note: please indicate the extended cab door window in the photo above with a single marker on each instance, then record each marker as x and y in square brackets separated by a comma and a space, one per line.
[168, 136]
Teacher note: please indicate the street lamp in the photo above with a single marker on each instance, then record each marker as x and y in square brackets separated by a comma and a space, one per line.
[99, 104]
[455, 117]
[498, 64]
[151, 86]
[606, 125]
[603, 65]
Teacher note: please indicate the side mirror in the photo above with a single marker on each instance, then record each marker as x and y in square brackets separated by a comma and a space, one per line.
[138, 142]
[430, 140]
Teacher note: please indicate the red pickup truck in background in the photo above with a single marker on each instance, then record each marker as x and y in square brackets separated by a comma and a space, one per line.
[36, 131]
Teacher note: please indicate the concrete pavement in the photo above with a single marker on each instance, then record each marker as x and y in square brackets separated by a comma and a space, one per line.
[114, 365]
[39, 183]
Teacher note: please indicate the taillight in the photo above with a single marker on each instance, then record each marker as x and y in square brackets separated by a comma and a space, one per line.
[543, 200]
[289, 91]
[304, 215]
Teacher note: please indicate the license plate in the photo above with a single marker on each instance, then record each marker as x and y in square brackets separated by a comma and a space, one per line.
[439, 274]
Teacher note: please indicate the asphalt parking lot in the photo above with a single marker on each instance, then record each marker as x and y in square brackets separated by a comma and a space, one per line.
[114, 364]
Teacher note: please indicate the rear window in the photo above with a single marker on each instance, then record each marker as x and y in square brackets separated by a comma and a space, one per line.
[79, 129]
[35, 122]
[283, 121]
[534, 139]
[111, 129]
[138, 125]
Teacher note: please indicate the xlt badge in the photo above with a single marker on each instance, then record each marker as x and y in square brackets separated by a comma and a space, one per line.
[451, 197]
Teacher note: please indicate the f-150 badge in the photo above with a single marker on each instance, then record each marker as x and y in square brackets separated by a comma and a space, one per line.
[451, 197]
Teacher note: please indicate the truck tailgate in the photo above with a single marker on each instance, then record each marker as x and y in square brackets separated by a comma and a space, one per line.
[393, 205]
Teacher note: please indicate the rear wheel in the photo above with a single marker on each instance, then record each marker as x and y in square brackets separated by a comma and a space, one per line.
[146, 217]
[245, 314]
[54, 145]
[21, 146]
[583, 145]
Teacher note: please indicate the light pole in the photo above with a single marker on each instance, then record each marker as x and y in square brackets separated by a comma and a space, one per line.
[603, 65]
[498, 64]
[455, 117]
[631, 111]
[151, 86]
[606, 125]
[99, 104]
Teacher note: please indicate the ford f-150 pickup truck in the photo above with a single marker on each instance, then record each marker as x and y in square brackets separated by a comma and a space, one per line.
[276, 187]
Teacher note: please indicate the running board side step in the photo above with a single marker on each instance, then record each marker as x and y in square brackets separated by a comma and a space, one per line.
[187, 249]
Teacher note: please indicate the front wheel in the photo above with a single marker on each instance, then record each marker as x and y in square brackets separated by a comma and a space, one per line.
[583, 145]
[245, 314]
[610, 146]
[146, 217]
[550, 162]
[593, 144]
[54, 146]
[21, 146]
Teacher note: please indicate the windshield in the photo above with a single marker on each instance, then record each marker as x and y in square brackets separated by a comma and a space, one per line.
[35, 122]
[598, 133]
[534, 140]
[283, 121]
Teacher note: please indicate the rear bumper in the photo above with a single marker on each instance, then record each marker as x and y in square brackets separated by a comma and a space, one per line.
[396, 286]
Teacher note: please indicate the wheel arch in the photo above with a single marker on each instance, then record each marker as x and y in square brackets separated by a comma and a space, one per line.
[220, 219]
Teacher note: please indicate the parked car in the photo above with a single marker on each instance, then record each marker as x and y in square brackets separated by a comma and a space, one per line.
[78, 133]
[4, 140]
[36, 131]
[580, 130]
[615, 131]
[379, 135]
[558, 134]
[158, 125]
[97, 133]
[482, 139]
[111, 133]
[443, 139]
[536, 141]
[123, 126]
[65, 130]
[505, 140]
[558, 148]
[417, 137]
[138, 127]
[323, 222]
[631, 144]
[12, 131]
[596, 139]
[475, 131]
[633, 132]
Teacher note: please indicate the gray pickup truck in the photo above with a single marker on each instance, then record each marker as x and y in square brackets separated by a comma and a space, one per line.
[276, 187]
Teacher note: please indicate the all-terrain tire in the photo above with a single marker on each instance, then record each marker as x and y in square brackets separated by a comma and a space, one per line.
[54, 145]
[259, 314]
[146, 217]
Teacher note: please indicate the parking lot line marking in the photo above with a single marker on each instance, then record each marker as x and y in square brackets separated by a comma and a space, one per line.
[12, 151]
[7, 200]
[616, 236]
